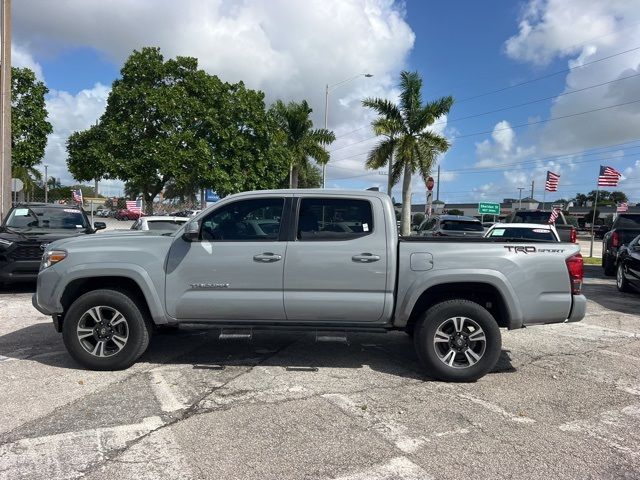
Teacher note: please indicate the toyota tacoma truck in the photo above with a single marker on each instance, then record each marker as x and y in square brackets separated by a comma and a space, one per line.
[325, 261]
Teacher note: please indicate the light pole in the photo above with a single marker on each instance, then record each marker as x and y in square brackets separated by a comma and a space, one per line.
[46, 185]
[327, 89]
[520, 198]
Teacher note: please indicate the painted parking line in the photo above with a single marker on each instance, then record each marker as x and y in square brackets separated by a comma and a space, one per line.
[167, 399]
[398, 468]
[67, 455]
[492, 407]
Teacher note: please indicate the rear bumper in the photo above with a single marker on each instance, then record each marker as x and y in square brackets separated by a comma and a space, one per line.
[578, 308]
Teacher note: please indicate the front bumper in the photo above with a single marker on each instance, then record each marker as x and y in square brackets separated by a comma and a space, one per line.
[45, 300]
[578, 308]
[19, 271]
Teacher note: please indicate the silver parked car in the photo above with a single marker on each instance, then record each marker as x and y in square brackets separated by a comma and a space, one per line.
[159, 223]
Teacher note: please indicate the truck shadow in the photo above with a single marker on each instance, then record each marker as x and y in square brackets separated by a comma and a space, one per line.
[200, 348]
[602, 290]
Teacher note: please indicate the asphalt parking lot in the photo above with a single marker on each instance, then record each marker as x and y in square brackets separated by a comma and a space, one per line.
[563, 402]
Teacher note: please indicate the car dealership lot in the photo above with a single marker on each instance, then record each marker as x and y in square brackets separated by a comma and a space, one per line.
[564, 402]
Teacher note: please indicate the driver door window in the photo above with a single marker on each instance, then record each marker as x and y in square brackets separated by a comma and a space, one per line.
[244, 221]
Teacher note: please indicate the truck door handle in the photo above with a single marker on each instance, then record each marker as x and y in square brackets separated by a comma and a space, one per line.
[365, 258]
[267, 257]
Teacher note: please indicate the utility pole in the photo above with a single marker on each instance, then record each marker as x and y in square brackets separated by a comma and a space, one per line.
[438, 186]
[46, 185]
[5, 108]
[532, 185]
[520, 198]
[326, 122]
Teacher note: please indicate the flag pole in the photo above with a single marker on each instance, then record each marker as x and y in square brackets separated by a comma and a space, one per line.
[544, 196]
[593, 220]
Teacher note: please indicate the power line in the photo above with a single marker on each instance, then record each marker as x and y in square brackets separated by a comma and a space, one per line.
[547, 76]
[511, 127]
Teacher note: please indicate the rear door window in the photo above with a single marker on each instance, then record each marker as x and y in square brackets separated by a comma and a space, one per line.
[523, 233]
[334, 219]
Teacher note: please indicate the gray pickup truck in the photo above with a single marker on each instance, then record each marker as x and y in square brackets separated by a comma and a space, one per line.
[318, 260]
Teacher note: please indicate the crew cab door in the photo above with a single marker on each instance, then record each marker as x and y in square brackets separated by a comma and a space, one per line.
[336, 265]
[234, 270]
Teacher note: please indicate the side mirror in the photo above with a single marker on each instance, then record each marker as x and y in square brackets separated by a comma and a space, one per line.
[99, 225]
[191, 231]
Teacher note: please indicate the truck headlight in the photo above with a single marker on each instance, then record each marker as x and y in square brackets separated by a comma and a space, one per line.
[52, 257]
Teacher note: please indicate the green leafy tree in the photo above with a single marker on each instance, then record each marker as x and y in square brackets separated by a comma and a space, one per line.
[29, 125]
[618, 197]
[455, 211]
[418, 218]
[408, 138]
[168, 123]
[302, 141]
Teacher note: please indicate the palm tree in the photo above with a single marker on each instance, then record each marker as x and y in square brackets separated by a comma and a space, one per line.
[410, 143]
[301, 139]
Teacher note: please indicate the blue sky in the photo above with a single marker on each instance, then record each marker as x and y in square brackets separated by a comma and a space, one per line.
[460, 48]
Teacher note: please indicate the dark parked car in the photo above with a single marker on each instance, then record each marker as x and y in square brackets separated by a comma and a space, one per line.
[628, 270]
[625, 228]
[451, 226]
[599, 231]
[29, 228]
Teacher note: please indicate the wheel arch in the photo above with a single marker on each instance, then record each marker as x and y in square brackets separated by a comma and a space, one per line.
[485, 294]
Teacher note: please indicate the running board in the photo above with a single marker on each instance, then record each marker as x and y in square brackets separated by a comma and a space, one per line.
[331, 337]
[236, 334]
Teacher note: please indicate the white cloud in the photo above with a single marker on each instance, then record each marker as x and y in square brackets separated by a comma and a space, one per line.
[69, 113]
[501, 148]
[583, 31]
[21, 57]
[289, 49]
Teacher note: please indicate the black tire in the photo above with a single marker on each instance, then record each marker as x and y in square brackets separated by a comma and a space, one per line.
[137, 330]
[608, 265]
[430, 353]
[621, 282]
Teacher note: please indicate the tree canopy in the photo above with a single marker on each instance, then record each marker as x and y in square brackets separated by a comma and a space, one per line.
[29, 124]
[409, 141]
[170, 123]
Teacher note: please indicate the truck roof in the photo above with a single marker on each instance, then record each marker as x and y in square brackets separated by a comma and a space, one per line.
[313, 191]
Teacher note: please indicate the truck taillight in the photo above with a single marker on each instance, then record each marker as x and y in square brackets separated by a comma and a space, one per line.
[573, 236]
[615, 240]
[575, 266]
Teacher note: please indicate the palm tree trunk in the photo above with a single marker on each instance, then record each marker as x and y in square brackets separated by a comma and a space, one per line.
[294, 176]
[389, 179]
[406, 201]
[291, 175]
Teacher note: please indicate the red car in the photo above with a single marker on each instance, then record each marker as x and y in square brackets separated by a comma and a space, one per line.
[125, 214]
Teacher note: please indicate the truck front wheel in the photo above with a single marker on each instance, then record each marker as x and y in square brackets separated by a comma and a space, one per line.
[457, 340]
[105, 330]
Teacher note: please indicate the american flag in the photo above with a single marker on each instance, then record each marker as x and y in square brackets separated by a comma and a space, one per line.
[77, 195]
[551, 184]
[622, 207]
[555, 213]
[608, 177]
[134, 206]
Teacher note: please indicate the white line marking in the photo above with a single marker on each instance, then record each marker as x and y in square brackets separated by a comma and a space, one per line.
[492, 407]
[399, 468]
[162, 389]
[622, 333]
[66, 455]
[393, 431]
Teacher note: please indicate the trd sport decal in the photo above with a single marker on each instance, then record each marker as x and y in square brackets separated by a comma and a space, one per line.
[529, 249]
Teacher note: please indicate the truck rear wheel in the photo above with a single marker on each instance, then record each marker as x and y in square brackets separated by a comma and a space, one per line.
[105, 330]
[458, 341]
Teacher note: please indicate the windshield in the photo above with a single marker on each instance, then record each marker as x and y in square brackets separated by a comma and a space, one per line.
[462, 225]
[532, 217]
[628, 221]
[47, 218]
[166, 225]
[523, 233]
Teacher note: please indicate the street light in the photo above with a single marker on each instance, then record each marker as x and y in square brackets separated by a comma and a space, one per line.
[326, 109]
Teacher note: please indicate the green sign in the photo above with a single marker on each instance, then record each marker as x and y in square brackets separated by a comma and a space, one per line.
[486, 208]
